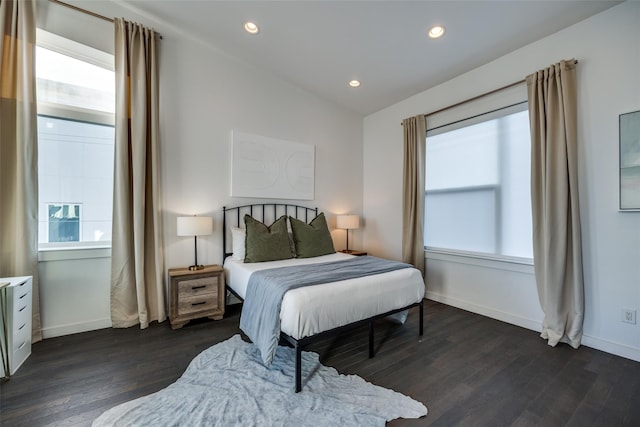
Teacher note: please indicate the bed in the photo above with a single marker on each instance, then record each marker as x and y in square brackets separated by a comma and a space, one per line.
[312, 312]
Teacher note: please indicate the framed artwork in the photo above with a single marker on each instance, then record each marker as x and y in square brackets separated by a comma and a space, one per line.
[630, 161]
[263, 167]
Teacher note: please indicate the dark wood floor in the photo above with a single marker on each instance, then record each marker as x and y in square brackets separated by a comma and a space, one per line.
[468, 370]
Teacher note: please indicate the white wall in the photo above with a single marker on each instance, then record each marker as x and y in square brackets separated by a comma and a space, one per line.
[204, 95]
[608, 49]
[226, 94]
[74, 291]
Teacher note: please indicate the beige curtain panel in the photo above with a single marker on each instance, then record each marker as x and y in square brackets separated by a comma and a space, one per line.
[557, 248]
[137, 285]
[413, 188]
[19, 148]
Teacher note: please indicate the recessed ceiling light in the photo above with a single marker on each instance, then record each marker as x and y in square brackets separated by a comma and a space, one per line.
[251, 27]
[354, 83]
[436, 31]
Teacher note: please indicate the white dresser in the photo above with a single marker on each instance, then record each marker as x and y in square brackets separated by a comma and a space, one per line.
[17, 313]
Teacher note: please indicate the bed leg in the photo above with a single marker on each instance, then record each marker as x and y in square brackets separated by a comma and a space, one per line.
[421, 317]
[298, 368]
[370, 339]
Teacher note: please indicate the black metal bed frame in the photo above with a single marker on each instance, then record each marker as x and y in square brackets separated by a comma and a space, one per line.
[276, 209]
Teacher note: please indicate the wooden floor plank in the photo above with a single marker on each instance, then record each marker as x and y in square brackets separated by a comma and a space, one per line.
[469, 370]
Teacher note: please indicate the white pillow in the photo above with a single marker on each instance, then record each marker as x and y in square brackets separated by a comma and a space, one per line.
[237, 243]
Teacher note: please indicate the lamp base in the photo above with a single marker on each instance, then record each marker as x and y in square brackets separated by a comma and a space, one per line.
[196, 267]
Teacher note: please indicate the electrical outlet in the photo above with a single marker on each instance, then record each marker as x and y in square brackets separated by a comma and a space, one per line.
[629, 316]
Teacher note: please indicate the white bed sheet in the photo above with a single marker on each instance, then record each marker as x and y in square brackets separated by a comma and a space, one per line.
[309, 310]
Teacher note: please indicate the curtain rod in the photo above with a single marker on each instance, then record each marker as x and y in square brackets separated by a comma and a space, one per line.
[482, 95]
[88, 12]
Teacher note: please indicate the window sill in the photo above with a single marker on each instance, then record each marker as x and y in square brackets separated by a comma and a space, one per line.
[70, 253]
[521, 265]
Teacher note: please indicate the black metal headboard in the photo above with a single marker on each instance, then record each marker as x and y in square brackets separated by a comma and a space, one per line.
[263, 212]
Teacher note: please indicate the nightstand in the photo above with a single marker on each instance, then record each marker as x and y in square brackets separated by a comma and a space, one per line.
[195, 294]
[354, 253]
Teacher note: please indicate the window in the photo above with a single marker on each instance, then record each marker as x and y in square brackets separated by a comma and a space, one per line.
[64, 223]
[76, 105]
[477, 193]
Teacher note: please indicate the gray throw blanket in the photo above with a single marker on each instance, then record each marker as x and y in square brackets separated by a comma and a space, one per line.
[260, 318]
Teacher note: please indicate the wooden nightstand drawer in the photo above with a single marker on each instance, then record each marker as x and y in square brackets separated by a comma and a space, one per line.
[197, 303]
[195, 294]
[203, 285]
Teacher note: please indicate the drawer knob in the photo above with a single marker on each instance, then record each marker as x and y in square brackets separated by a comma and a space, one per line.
[199, 303]
[198, 287]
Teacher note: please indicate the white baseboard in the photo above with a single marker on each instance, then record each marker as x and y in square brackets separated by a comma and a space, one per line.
[513, 319]
[74, 328]
[534, 325]
[612, 347]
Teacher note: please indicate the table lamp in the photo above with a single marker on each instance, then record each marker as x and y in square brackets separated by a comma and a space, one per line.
[348, 222]
[195, 226]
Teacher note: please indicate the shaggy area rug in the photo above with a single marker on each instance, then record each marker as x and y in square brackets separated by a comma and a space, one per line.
[227, 385]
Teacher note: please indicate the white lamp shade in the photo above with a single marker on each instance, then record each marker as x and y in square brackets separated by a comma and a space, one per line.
[195, 225]
[349, 222]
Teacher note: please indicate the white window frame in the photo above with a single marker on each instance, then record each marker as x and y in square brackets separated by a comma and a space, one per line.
[93, 56]
[508, 101]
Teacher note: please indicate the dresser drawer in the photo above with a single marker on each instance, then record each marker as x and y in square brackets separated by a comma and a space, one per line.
[21, 333]
[20, 354]
[196, 303]
[22, 288]
[22, 309]
[21, 300]
[202, 285]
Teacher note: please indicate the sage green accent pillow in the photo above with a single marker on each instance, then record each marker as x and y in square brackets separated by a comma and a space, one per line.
[312, 239]
[264, 243]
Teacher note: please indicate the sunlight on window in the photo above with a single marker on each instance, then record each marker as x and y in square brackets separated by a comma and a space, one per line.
[65, 80]
[477, 189]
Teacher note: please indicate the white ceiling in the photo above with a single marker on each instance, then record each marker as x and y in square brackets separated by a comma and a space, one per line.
[321, 45]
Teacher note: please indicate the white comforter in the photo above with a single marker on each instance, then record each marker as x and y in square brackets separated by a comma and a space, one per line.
[309, 310]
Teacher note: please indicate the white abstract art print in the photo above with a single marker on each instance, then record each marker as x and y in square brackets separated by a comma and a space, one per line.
[271, 168]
